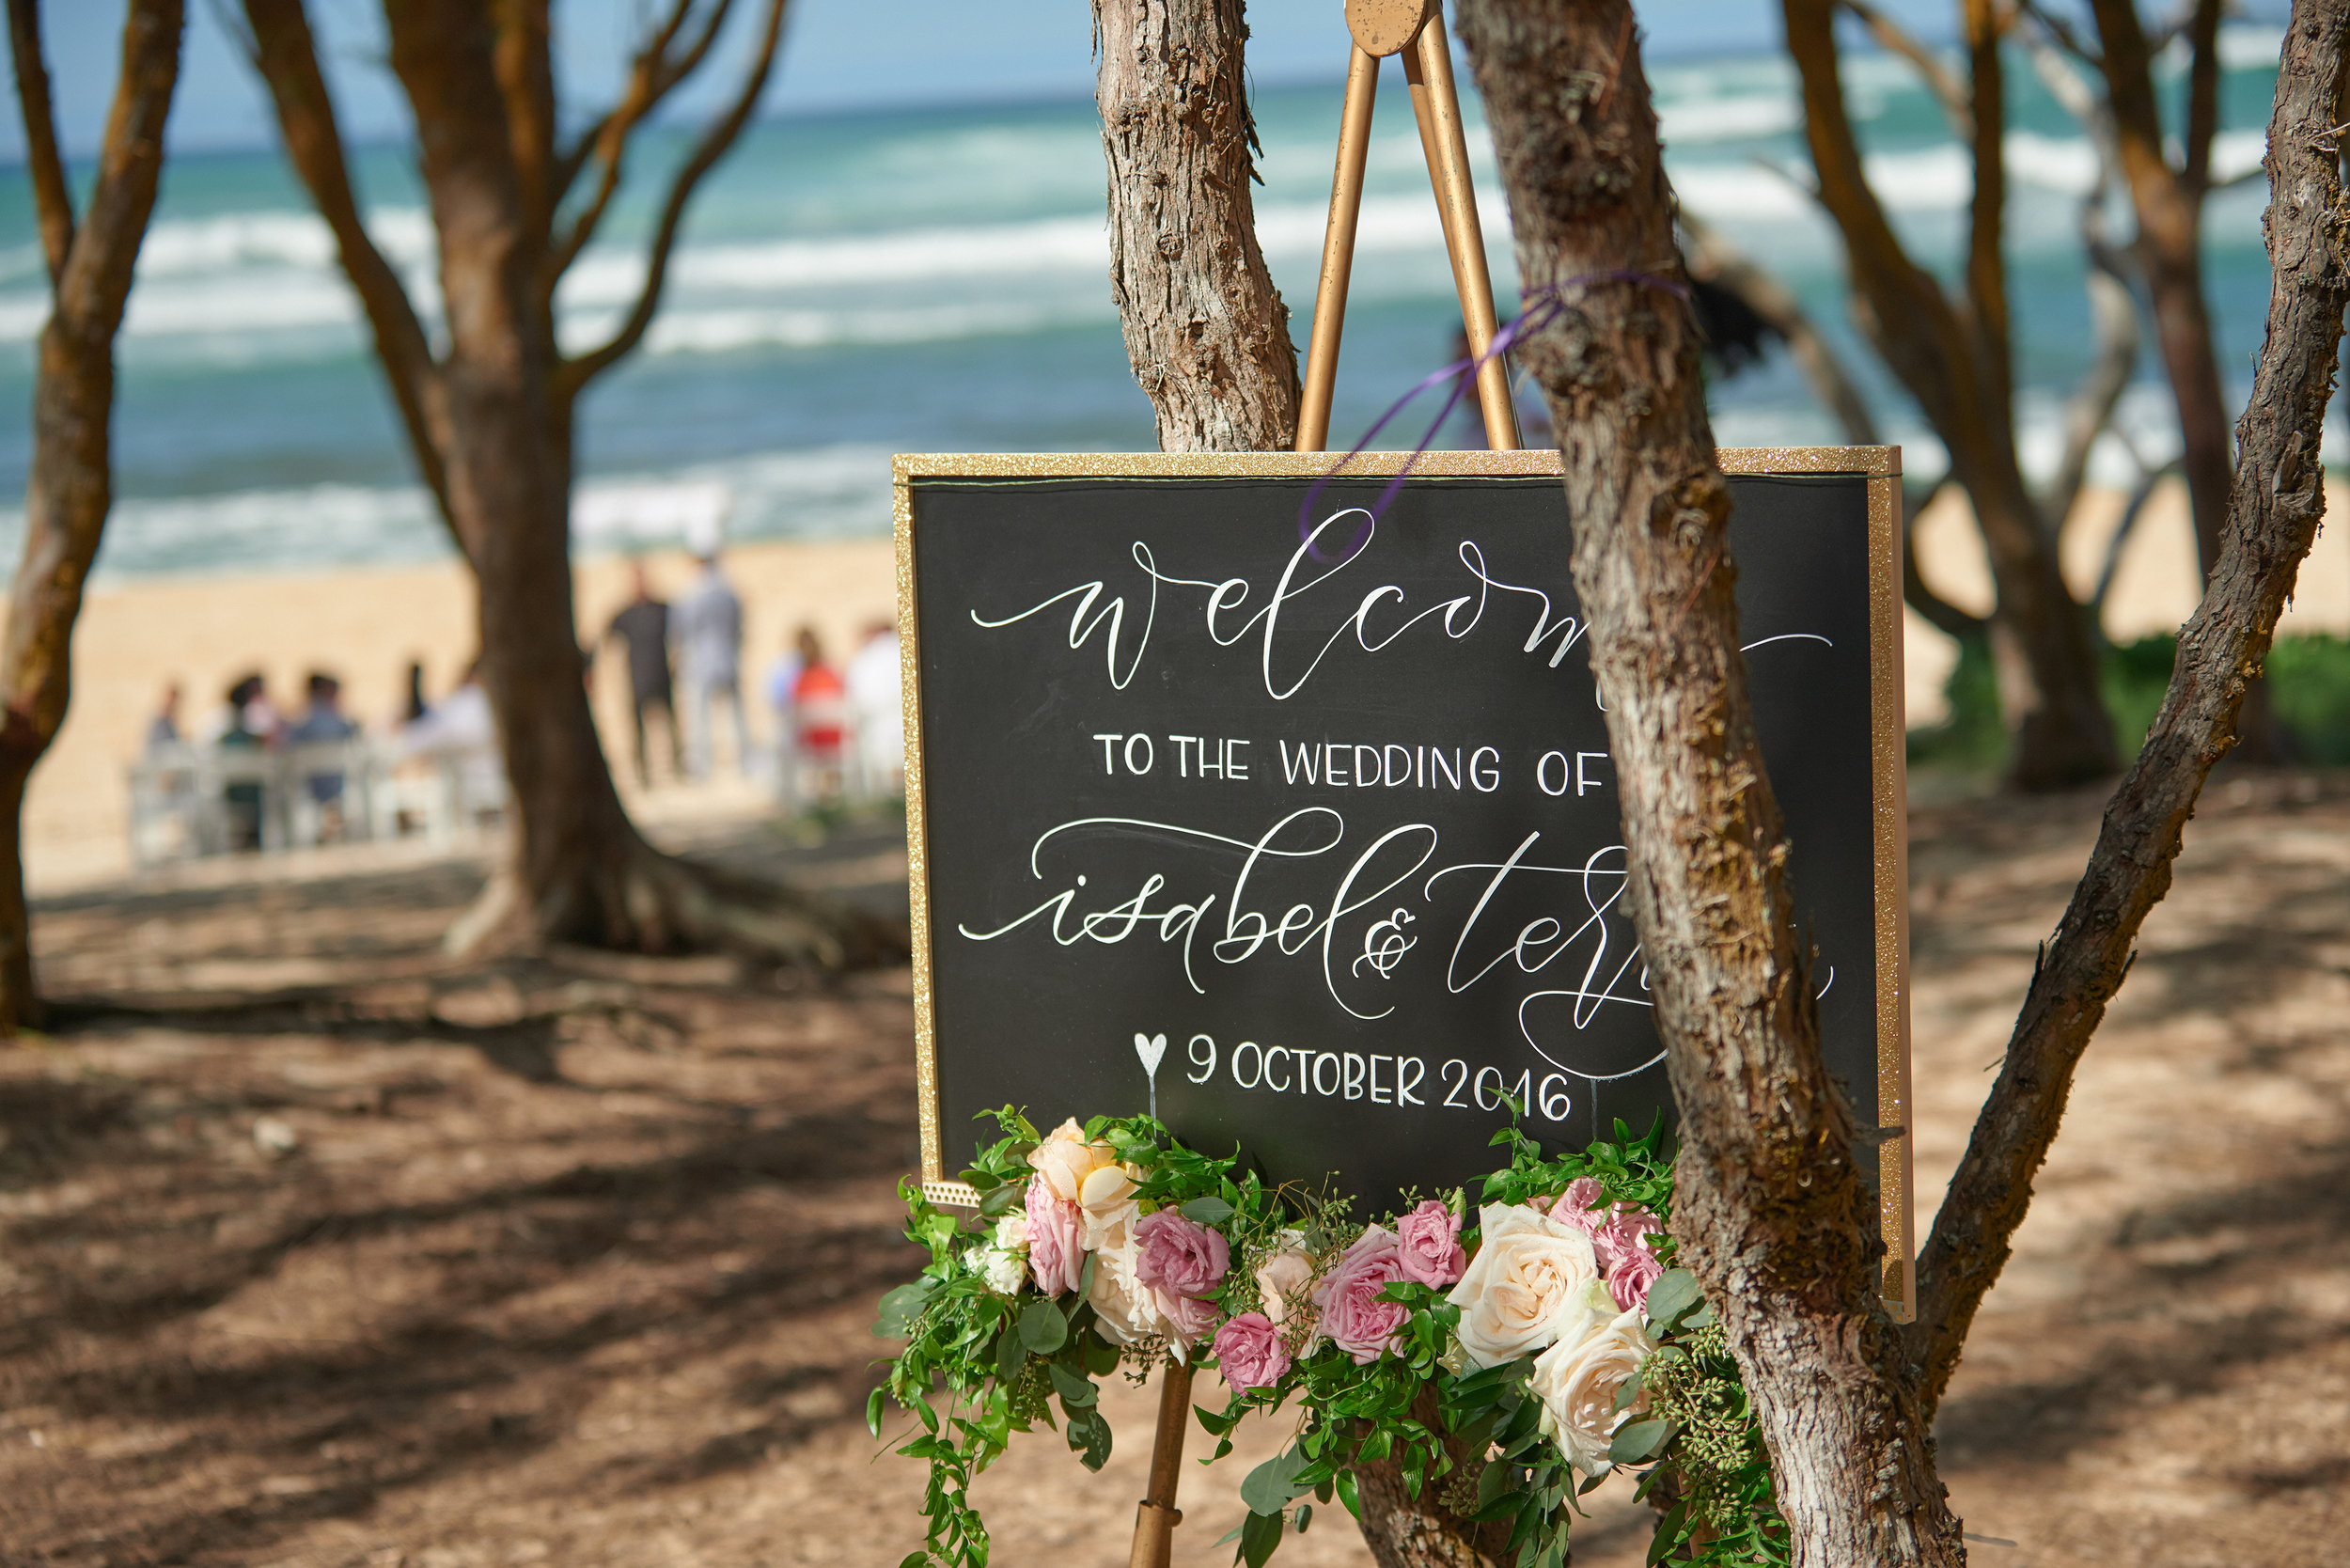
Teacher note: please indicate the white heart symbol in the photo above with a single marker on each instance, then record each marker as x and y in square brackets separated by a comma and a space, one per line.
[1151, 1048]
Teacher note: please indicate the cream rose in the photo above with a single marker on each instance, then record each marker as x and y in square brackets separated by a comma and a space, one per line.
[1285, 1282]
[1534, 1283]
[1124, 1308]
[1065, 1159]
[1577, 1381]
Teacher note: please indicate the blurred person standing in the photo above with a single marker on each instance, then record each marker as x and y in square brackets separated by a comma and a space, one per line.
[706, 629]
[642, 628]
[163, 730]
[819, 718]
[876, 693]
[324, 723]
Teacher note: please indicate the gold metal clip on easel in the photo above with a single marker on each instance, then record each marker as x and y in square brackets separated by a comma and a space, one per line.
[1415, 29]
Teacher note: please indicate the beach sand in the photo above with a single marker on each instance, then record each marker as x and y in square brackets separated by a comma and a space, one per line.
[366, 625]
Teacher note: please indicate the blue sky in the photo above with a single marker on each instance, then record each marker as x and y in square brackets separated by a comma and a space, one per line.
[841, 55]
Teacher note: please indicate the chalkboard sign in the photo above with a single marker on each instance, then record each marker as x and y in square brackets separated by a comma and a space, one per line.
[1319, 853]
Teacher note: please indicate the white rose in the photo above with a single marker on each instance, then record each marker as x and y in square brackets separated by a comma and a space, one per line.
[1012, 1232]
[1003, 1271]
[1065, 1159]
[1110, 1211]
[1534, 1282]
[1577, 1383]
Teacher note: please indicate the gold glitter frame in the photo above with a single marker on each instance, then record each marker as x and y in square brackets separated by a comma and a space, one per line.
[1880, 465]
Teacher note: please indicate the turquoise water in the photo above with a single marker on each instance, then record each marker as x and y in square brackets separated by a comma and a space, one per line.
[857, 285]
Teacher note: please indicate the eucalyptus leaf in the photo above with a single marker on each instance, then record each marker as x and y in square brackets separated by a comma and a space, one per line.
[901, 1307]
[1101, 1357]
[1210, 1210]
[1270, 1486]
[1076, 1391]
[1010, 1354]
[1674, 1293]
[998, 1203]
[1042, 1329]
[1304, 1516]
[1638, 1441]
[1260, 1533]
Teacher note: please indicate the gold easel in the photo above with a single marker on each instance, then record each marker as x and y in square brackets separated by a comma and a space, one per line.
[1415, 29]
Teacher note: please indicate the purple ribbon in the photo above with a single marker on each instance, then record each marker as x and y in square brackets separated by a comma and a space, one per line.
[1544, 305]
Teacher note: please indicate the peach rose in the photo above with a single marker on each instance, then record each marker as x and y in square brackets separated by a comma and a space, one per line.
[1285, 1282]
[1065, 1159]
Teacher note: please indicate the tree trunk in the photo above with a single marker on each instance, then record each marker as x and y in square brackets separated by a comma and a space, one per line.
[68, 490]
[1206, 331]
[1769, 1206]
[2276, 500]
[2169, 204]
[1956, 364]
[490, 420]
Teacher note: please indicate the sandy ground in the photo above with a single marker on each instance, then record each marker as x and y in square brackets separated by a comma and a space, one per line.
[366, 626]
[573, 1262]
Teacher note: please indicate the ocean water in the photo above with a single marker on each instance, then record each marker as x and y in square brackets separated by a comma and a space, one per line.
[935, 280]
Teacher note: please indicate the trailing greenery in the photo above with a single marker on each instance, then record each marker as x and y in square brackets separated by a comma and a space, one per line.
[989, 1354]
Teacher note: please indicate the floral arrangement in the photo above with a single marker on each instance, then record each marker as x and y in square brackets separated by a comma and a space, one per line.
[1496, 1357]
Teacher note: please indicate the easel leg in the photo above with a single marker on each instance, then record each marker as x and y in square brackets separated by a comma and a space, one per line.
[1338, 253]
[1156, 1517]
[1436, 103]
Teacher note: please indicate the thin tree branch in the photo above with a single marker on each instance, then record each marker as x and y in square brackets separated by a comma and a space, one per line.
[2112, 306]
[2203, 95]
[661, 73]
[2278, 498]
[575, 373]
[287, 59]
[52, 198]
[2150, 480]
[1986, 260]
[525, 77]
[1717, 260]
[1957, 102]
[1916, 592]
[652, 74]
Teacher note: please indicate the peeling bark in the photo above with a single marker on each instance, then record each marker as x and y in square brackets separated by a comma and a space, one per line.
[1206, 332]
[70, 488]
[2276, 500]
[1769, 1205]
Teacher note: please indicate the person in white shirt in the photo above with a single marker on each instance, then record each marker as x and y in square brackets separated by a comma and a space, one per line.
[876, 705]
[706, 629]
[462, 730]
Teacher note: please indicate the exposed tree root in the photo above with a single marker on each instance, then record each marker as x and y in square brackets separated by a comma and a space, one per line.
[637, 899]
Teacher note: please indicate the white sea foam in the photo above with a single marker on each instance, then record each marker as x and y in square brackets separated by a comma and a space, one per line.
[1724, 119]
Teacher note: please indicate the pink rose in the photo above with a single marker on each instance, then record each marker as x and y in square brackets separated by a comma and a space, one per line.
[1353, 1316]
[1629, 1280]
[1624, 1233]
[1253, 1352]
[1177, 1258]
[1578, 1204]
[1184, 1318]
[1055, 1257]
[1428, 1245]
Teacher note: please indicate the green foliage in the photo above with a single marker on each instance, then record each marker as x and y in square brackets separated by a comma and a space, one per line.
[2309, 691]
[980, 1366]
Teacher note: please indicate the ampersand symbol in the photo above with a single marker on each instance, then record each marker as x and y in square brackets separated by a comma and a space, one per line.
[1384, 944]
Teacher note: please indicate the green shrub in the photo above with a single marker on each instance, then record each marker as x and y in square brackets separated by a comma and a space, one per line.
[2309, 687]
